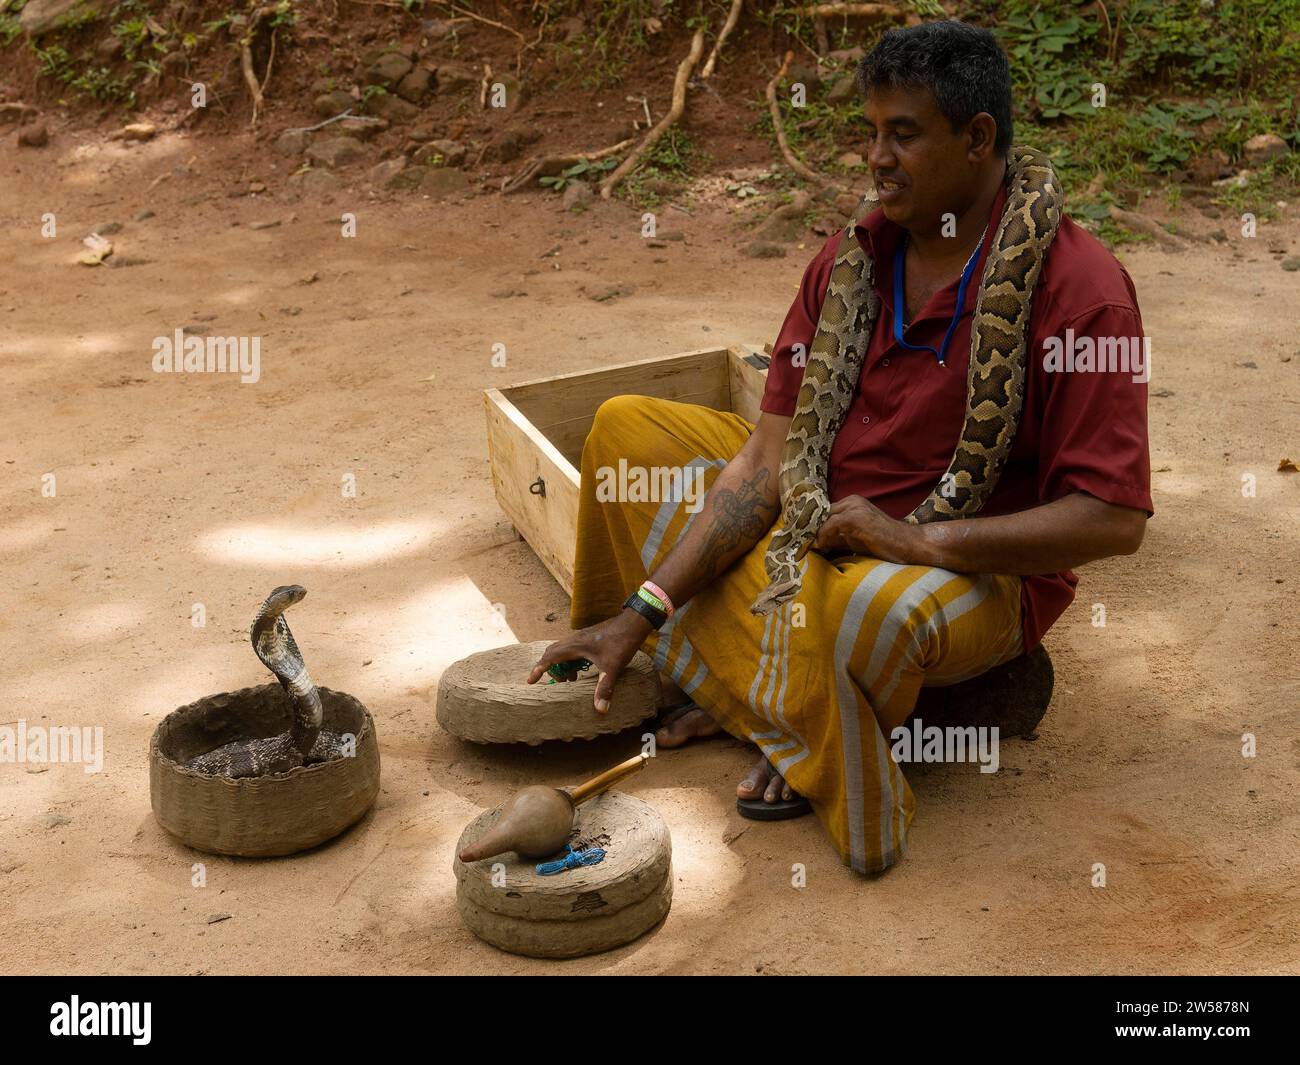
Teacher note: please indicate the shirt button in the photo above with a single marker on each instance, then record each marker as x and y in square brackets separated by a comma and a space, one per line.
[884, 362]
[865, 420]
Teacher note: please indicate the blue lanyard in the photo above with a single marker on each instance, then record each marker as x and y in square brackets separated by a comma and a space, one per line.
[966, 273]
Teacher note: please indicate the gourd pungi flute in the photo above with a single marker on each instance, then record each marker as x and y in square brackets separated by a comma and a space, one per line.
[538, 821]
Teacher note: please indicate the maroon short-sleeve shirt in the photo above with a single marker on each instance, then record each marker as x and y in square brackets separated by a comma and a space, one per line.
[1082, 430]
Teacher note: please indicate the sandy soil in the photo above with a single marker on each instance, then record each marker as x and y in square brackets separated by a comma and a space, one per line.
[176, 490]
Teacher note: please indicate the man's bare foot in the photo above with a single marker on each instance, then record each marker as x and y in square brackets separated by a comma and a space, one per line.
[764, 782]
[684, 724]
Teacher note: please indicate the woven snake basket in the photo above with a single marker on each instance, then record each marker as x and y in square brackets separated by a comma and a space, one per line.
[258, 817]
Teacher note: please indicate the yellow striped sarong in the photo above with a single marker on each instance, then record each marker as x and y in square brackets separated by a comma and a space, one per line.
[820, 684]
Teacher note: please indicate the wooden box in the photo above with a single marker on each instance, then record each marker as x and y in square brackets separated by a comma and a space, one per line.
[536, 431]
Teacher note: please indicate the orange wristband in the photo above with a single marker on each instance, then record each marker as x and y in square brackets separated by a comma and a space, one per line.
[659, 594]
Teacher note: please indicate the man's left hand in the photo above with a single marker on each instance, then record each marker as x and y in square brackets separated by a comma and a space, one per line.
[858, 527]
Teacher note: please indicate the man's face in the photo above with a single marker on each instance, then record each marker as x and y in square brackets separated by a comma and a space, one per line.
[921, 167]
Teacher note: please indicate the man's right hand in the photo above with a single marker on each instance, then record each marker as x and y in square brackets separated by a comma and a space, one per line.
[608, 645]
[739, 509]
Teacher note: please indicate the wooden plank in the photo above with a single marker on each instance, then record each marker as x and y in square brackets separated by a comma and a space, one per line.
[562, 408]
[682, 356]
[537, 429]
[519, 454]
[747, 372]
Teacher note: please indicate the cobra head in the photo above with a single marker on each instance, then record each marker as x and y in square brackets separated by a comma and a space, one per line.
[270, 633]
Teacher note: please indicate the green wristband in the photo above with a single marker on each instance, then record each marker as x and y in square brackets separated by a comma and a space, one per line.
[653, 600]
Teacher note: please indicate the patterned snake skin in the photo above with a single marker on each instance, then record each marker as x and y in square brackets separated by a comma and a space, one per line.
[995, 388]
[306, 743]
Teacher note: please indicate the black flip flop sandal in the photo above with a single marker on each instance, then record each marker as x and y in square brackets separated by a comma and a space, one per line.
[760, 810]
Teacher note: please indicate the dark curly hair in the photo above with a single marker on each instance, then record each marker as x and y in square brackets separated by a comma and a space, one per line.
[963, 66]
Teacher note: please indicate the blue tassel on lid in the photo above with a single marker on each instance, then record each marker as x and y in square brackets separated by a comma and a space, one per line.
[572, 860]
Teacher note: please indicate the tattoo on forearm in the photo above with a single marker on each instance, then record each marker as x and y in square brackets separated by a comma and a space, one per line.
[740, 516]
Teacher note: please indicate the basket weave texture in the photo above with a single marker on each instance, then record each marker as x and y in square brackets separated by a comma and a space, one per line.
[257, 817]
[483, 698]
[580, 911]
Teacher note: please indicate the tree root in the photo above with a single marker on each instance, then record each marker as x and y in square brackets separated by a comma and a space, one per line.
[549, 165]
[791, 160]
[16, 112]
[821, 12]
[256, 88]
[733, 16]
[684, 69]
[859, 10]
[466, 13]
[1141, 224]
[330, 121]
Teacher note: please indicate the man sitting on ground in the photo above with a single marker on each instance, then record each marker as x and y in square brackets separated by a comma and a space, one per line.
[885, 606]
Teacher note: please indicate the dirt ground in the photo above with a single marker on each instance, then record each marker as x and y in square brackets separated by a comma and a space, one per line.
[173, 490]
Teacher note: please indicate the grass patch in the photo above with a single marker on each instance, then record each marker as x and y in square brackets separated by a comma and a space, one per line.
[86, 79]
[1176, 80]
[671, 162]
[616, 32]
[9, 27]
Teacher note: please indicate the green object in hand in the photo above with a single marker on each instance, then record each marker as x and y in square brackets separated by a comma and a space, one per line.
[568, 670]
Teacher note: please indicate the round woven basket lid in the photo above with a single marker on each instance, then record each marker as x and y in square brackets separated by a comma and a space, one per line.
[484, 698]
[592, 908]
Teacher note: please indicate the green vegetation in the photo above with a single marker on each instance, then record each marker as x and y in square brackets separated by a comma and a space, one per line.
[87, 79]
[1182, 80]
[1178, 81]
[284, 15]
[1144, 91]
[132, 29]
[616, 32]
[83, 73]
[578, 172]
[9, 28]
[73, 62]
[668, 164]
